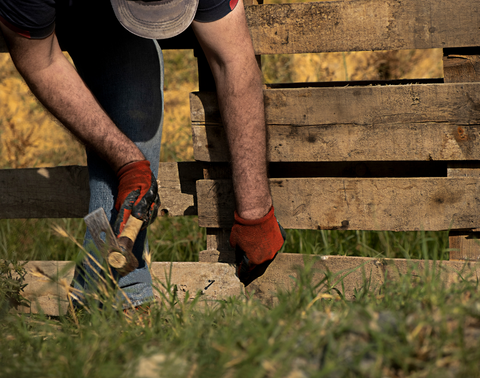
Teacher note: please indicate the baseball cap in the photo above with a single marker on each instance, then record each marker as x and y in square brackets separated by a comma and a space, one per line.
[158, 19]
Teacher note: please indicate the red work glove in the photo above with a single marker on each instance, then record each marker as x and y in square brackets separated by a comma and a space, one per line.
[137, 195]
[256, 243]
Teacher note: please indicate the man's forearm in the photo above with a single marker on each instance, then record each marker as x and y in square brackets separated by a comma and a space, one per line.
[240, 99]
[55, 82]
[229, 50]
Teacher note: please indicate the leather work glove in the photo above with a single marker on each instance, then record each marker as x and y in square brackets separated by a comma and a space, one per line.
[256, 243]
[137, 195]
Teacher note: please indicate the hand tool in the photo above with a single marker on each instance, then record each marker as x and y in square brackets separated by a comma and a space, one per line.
[117, 252]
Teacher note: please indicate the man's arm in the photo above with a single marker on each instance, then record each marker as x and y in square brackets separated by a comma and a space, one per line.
[55, 82]
[57, 85]
[256, 235]
[228, 47]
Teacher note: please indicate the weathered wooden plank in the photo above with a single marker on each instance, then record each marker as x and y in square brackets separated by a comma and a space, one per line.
[217, 281]
[60, 192]
[63, 192]
[463, 65]
[464, 246]
[356, 25]
[346, 273]
[396, 204]
[349, 274]
[374, 123]
[47, 286]
[363, 25]
[177, 189]
[48, 283]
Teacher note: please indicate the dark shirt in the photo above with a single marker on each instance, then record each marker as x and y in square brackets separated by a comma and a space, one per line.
[36, 18]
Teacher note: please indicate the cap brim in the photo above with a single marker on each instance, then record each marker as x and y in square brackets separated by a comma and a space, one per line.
[155, 19]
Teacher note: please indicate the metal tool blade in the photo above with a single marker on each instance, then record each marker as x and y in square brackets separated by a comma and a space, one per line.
[97, 223]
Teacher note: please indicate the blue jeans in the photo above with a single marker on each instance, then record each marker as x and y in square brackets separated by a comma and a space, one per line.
[125, 73]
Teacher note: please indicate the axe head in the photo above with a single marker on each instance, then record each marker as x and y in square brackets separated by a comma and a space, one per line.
[118, 257]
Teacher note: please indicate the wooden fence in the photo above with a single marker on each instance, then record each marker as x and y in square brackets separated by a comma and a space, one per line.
[393, 155]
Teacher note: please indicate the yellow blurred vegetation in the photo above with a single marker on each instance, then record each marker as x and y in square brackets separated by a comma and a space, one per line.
[29, 134]
[30, 137]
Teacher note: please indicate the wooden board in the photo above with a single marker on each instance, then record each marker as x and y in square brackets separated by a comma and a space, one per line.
[464, 246]
[463, 65]
[60, 192]
[177, 187]
[48, 283]
[217, 281]
[347, 273]
[374, 123]
[63, 192]
[363, 25]
[350, 274]
[360, 25]
[396, 204]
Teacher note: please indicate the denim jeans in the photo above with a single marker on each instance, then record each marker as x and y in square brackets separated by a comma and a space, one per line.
[125, 73]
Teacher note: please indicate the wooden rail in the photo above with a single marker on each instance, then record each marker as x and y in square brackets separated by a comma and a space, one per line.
[62, 192]
[397, 204]
[48, 282]
[371, 123]
[360, 25]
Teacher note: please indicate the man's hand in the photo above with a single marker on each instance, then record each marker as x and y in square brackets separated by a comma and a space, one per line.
[256, 244]
[137, 195]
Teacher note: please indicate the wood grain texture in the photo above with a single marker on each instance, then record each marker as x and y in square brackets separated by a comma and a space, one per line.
[345, 273]
[63, 192]
[359, 25]
[176, 185]
[48, 283]
[217, 281]
[463, 65]
[363, 25]
[60, 192]
[396, 204]
[374, 123]
[349, 274]
[464, 246]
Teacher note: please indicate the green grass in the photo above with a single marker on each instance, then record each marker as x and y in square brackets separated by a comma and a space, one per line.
[415, 327]
[423, 329]
[181, 239]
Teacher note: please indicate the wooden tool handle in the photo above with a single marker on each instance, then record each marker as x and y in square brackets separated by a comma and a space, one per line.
[131, 229]
[124, 261]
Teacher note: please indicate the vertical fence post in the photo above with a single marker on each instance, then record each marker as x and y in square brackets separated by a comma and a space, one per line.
[462, 65]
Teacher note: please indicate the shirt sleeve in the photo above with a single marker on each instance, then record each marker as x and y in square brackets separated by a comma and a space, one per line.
[33, 19]
[213, 10]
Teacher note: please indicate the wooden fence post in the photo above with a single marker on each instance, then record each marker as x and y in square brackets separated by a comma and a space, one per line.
[462, 65]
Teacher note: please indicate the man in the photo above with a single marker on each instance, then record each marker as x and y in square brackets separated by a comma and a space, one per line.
[113, 103]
